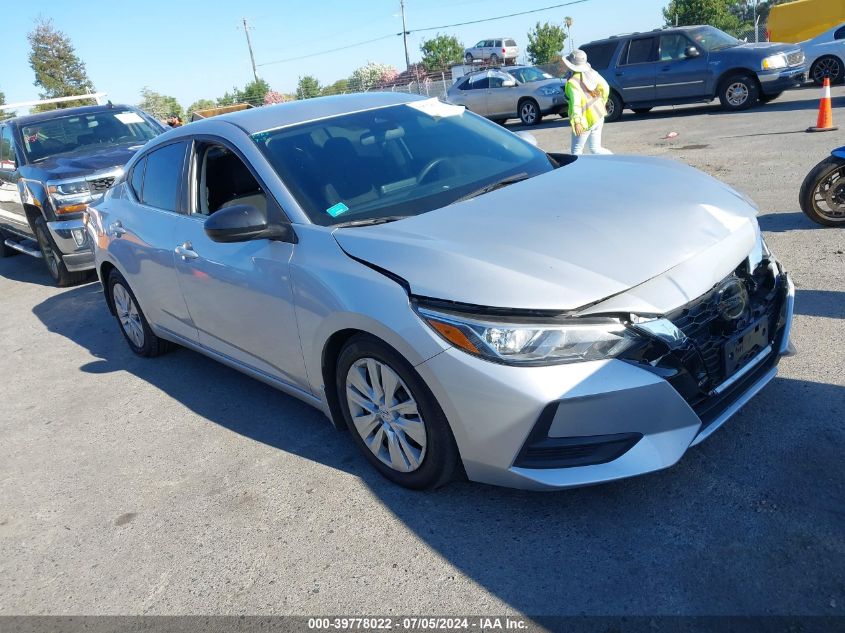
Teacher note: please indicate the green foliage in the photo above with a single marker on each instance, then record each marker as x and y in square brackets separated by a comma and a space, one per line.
[4, 114]
[545, 42]
[308, 87]
[744, 10]
[58, 70]
[718, 13]
[253, 93]
[201, 104]
[158, 105]
[341, 86]
[440, 51]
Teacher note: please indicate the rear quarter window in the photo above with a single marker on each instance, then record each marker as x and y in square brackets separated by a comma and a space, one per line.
[510, 43]
[600, 55]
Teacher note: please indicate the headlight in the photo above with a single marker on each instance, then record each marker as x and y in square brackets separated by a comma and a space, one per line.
[75, 188]
[532, 343]
[549, 91]
[774, 62]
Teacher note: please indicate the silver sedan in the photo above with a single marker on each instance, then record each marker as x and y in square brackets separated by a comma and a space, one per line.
[414, 271]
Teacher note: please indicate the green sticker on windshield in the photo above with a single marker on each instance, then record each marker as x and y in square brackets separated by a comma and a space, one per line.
[338, 209]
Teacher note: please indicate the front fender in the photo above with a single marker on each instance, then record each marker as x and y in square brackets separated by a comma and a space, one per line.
[839, 152]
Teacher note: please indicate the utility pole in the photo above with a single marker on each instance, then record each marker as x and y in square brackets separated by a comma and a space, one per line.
[249, 45]
[405, 35]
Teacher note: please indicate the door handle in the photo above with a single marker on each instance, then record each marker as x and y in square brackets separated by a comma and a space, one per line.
[186, 251]
[116, 229]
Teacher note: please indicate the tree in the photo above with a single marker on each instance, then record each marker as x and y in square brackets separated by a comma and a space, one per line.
[254, 92]
[341, 86]
[440, 51]
[58, 70]
[308, 87]
[200, 104]
[372, 75]
[545, 42]
[158, 105]
[4, 114]
[745, 9]
[716, 13]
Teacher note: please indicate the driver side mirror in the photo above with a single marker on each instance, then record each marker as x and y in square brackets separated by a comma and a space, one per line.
[691, 51]
[243, 223]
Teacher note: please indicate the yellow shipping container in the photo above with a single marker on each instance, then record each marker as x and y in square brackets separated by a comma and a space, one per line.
[803, 19]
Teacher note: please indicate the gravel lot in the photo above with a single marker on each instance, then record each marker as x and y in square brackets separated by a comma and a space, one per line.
[176, 485]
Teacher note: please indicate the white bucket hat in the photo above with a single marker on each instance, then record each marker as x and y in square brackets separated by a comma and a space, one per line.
[577, 61]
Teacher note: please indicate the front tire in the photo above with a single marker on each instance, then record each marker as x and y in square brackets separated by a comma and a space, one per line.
[614, 107]
[738, 92]
[469, 59]
[822, 195]
[53, 259]
[827, 66]
[529, 112]
[131, 320]
[393, 417]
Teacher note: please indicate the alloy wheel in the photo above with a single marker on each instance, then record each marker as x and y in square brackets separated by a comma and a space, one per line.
[737, 94]
[829, 196]
[50, 257]
[386, 415]
[127, 314]
[827, 67]
[528, 113]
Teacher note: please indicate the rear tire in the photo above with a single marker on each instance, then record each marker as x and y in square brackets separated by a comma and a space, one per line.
[131, 320]
[529, 112]
[822, 195]
[614, 107]
[469, 59]
[53, 259]
[405, 415]
[494, 60]
[738, 92]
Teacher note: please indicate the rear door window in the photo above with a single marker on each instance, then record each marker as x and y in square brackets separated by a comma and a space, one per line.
[163, 177]
[640, 51]
[600, 55]
[479, 82]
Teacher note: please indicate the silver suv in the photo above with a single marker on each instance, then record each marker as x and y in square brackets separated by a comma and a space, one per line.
[526, 92]
[501, 50]
[413, 271]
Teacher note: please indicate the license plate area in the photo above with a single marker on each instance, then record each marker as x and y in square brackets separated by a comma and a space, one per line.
[746, 345]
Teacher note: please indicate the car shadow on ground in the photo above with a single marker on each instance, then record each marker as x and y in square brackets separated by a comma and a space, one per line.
[820, 303]
[734, 528]
[28, 270]
[788, 221]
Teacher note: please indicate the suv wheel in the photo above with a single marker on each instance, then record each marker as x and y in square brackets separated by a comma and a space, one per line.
[827, 66]
[739, 92]
[133, 323]
[53, 259]
[393, 416]
[529, 112]
[614, 107]
[494, 60]
[469, 59]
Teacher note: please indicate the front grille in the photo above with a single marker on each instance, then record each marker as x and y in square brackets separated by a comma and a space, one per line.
[98, 185]
[795, 58]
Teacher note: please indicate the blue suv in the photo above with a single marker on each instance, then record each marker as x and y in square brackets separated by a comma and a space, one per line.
[692, 64]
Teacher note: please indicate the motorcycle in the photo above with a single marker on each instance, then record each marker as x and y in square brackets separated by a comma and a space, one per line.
[822, 194]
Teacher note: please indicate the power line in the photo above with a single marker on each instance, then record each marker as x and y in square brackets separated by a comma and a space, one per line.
[428, 28]
[331, 50]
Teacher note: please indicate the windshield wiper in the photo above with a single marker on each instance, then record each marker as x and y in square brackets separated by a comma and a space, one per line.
[504, 182]
[370, 221]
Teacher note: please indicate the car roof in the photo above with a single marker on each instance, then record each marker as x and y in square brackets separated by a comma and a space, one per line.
[29, 119]
[620, 36]
[284, 114]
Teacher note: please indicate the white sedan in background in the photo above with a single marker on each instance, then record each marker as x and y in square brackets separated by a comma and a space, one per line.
[825, 55]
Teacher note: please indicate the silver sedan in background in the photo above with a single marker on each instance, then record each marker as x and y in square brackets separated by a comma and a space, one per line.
[526, 92]
[415, 272]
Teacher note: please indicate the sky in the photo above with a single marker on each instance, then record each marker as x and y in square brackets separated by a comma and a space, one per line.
[193, 49]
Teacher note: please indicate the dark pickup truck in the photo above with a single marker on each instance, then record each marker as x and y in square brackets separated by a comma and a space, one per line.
[53, 164]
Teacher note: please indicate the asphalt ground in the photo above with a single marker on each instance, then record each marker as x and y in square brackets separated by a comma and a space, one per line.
[176, 485]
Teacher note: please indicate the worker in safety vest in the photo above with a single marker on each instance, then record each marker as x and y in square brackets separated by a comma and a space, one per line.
[587, 93]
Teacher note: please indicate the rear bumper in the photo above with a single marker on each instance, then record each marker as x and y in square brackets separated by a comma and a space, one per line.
[72, 240]
[773, 82]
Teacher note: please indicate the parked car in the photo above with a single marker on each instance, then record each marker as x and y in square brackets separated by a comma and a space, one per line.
[526, 92]
[413, 271]
[825, 55]
[800, 20]
[52, 165]
[692, 64]
[500, 50]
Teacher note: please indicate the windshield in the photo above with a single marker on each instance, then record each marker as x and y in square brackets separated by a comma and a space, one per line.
[396, 161]
[70, 133]
[529, 74]
[712, 39]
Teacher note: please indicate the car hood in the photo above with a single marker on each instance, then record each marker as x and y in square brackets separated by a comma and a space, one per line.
[568, 238]
[86, 161]
[761, 49]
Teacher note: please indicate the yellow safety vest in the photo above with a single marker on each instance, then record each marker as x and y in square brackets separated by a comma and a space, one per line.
[584, 108]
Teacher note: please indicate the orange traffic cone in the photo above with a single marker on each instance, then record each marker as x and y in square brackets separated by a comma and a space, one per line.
[825, 121]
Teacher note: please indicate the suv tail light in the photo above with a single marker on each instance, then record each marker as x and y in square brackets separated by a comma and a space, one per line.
[503, 50]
